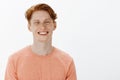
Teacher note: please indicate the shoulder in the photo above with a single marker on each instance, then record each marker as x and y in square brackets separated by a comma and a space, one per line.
[63, 56]
[62, 53]
[64, 59]
[20, 53]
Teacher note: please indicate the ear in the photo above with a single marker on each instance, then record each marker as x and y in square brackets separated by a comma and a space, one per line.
[55, 24]
[29, 27]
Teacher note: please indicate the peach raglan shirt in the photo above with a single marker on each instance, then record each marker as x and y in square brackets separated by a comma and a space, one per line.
[26, 65]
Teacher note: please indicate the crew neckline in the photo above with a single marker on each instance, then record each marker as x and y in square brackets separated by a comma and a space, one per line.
[38, 55]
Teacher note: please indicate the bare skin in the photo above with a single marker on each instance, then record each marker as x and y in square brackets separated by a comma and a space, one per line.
[42, 27]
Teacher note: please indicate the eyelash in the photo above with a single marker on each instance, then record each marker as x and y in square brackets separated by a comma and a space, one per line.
[46, 22]
[36, 22]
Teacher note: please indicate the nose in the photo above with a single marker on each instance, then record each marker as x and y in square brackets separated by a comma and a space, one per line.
[42, 26]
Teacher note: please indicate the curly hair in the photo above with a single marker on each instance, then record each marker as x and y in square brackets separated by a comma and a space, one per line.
[38, 7]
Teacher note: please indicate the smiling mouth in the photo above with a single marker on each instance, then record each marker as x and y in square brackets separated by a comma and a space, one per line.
[43, 33]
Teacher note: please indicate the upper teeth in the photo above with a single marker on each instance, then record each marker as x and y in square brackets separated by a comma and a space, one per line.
[42, 32]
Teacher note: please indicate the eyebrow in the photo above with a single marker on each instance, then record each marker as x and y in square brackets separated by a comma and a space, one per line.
[48, 19]
[35, 20]
[45, 19]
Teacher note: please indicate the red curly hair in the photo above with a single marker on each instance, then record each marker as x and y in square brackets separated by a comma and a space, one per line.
[38, 7]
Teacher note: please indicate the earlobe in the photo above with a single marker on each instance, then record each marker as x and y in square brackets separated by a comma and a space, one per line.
[55, 25]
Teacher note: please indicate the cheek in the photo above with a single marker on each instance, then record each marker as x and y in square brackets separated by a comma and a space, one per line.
[33, 29]
[52, 28]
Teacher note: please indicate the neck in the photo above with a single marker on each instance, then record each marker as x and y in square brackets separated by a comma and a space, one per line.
[42, 48]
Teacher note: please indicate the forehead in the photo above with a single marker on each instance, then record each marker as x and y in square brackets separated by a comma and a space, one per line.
[40, 15]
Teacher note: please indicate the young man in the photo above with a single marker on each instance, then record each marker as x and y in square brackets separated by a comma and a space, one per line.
[41, 60]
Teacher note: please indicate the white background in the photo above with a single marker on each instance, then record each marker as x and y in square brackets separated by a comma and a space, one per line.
[89, 30]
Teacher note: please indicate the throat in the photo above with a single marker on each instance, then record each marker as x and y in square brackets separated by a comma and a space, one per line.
[42, 50]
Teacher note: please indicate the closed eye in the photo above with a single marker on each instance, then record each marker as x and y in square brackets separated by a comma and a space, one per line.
[36, 22]
[47, 22]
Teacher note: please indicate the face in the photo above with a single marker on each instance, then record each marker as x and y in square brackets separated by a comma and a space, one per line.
[42, 26]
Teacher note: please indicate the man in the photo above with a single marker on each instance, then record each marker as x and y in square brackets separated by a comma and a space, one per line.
[41, 60]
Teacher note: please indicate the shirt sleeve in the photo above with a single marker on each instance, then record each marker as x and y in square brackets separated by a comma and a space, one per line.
[10, 73]
[71, 74]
